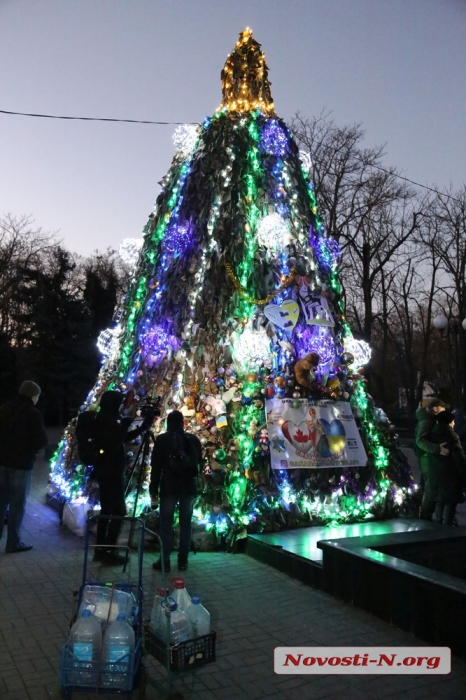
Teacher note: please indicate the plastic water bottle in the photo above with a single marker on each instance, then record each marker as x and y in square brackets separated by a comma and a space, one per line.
[180, 595]
[199, 618]
[180, 626]
[119, 643]
[84, 644]
[158, 599]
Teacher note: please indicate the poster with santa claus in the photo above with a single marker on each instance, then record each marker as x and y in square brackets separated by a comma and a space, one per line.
[306, 434]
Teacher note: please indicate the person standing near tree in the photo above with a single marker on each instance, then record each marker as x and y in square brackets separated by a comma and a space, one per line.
[22, 435]
[447, 474]
[176, 460]
[111, 432]
[424, 448]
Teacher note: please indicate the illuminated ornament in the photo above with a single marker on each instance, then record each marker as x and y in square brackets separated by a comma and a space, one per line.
[310, 339]
[273, 232]
[274, 139]
[129, 250]
[328, 252]
[156, 343]
[305, 158]
[178, 238]
[251, 349]
[185, 137]
[108, 341]
[283, 315]
[361, 351]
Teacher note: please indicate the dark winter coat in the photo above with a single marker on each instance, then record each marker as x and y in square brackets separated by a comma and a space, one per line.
[447, 475]
[460, 428]
[423, 445]
[111, 432]
[22, 433]
[422, 435]
[161, 476]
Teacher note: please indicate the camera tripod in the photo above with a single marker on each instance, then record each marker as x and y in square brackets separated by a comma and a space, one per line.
[140, 460]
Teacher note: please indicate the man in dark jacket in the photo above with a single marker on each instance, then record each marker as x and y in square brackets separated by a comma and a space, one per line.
[424, 448]
[111, 432]
[22, 434]
[176, 460]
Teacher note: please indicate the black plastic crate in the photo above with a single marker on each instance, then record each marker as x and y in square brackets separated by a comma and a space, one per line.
[184, 656]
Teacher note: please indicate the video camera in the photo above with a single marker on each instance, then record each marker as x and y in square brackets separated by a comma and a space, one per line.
[151, 408]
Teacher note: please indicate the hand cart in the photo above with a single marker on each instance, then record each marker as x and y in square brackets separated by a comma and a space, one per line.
[98, 677]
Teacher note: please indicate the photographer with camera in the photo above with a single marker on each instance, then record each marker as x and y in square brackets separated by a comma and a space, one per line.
[176, 460]
[111, 432]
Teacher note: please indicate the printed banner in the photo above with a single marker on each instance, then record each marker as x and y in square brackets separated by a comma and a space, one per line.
[313, 435]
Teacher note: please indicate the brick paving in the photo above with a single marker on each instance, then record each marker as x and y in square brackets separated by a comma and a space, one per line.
[253, 609]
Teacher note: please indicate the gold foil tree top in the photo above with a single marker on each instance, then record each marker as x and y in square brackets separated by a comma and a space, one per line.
[245, 85]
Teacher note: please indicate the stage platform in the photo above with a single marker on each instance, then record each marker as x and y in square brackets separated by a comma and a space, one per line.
[395, 569]
[303, 541]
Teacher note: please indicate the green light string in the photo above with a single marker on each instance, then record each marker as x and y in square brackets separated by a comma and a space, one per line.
[253, 177]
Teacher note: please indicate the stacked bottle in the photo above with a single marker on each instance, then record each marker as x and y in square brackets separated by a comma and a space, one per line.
[118, 651]
[172, 623]
[199, 618]
[180, 595]
[84, 644]
[158, 599]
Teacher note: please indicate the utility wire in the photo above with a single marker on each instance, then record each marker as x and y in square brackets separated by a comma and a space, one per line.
[90, 119]
[418, 184]
[146, 121]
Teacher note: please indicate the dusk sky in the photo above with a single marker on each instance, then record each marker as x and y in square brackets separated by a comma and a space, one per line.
[398, 67]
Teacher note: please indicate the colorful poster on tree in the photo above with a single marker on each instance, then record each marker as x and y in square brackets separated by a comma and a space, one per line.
[306, 434]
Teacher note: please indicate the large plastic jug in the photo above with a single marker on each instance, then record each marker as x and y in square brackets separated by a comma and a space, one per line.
[180, 595]
[158, 598]
[119, 644]
[180, 626]
[84, 644]
[199, 618]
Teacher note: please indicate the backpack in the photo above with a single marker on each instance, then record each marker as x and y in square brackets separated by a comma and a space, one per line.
[182, 457]
[86, 437]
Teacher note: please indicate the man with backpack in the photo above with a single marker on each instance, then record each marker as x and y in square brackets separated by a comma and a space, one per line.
[175, 462]
[110, 432]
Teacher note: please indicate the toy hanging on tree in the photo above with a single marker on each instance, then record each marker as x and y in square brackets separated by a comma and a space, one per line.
[235, 317]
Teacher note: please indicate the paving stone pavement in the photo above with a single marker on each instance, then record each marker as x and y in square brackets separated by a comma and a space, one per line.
[253, 609]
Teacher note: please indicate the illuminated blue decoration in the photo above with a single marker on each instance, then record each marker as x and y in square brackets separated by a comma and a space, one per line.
[311, 339]
[328, 252]
[177, 238]
[156, 343]
[274, 139]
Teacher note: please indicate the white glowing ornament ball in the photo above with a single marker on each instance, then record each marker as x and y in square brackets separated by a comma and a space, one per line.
[251, 349]
[273, 232]
[108, 341]
[185, 137]
[129, 250]
[361, 350]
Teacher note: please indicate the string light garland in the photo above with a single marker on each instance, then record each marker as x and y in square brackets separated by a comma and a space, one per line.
[287, 280]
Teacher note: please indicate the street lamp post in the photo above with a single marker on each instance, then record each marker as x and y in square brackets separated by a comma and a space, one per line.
[452, 327]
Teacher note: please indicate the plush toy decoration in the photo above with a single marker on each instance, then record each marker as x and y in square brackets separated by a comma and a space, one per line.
[304, 369]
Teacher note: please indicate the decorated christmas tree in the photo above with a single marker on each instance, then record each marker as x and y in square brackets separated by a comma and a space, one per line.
[235, 317]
